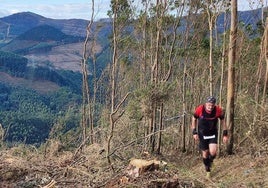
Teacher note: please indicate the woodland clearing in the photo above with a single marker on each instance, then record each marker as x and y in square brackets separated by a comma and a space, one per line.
[25, 166]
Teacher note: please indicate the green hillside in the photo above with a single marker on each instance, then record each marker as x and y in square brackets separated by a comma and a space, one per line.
[17, 66]
[13, 64]
[39, 39]
[43, 33]
[28, 115]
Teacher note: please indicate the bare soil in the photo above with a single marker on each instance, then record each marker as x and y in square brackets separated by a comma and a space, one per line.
[38, 85]
[67, 57]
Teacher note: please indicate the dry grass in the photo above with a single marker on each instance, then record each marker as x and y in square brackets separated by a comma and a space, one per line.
[47, 167]
[232, 171]
[28, 167]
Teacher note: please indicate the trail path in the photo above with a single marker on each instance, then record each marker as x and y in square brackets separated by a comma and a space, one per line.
[233, 171]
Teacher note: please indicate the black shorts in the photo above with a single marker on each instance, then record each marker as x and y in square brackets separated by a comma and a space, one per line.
[204, 141]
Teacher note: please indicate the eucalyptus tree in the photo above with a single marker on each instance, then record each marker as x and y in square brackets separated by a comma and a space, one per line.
[213, 8]
[192, 49]
[223, 59]
[160, 7]
[157, 40]
[120, 14]
[87, 117]
[262, 74]
[231, 76]
[265, 85]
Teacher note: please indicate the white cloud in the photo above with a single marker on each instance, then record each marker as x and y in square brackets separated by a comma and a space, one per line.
[65, 11]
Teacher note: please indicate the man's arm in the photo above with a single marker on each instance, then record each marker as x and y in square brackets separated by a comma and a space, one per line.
[223, 123]
[225, 131]
[193, 126]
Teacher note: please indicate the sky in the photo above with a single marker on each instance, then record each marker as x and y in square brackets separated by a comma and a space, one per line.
[57, 9]
[80, 9]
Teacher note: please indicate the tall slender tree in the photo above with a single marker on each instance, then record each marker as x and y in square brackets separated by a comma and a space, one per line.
[223, 54]
[87, 116]
[87, 121]
[265, 85]
[231, 76]
[213, 9]
[120, 14]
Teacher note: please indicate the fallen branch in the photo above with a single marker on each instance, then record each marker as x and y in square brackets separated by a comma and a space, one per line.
[133, 141]
[50, 185]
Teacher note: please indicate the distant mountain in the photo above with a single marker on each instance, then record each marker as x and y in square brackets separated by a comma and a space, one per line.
[53, 49]
[16, 24]
[46, 41]
[21, 22]
[58, 43]
[43, 33]
[250, 17]
[39, 39]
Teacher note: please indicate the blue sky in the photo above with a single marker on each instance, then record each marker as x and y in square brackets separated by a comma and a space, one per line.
[67, 9]
[58, 9]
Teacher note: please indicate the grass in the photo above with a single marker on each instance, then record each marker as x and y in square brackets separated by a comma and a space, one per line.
[23, 166]
[234, 171]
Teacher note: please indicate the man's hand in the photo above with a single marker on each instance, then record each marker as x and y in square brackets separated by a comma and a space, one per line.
[225, 139]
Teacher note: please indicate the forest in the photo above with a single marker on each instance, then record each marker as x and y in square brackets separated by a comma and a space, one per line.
[166, 58]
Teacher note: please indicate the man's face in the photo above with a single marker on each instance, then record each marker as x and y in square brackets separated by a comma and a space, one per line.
[209, 106]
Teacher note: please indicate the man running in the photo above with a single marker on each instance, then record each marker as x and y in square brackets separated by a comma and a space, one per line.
[204, 127]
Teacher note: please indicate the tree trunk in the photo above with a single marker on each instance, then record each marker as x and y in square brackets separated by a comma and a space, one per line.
[117, 25]
[113, 85]
[222, 78]
[184, 106]
[159, 140]
[231, 76]
[155, 73]
[210, 23]
[265, 85]
[93, 57]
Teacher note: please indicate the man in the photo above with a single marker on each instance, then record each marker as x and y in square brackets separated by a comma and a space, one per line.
[205, 130]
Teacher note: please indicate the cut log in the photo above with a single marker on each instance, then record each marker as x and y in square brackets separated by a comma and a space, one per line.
[138, 166]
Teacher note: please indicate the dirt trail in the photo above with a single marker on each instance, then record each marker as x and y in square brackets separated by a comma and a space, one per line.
[233, 171]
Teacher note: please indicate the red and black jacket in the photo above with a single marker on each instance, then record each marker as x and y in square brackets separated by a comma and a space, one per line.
[207, 122]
